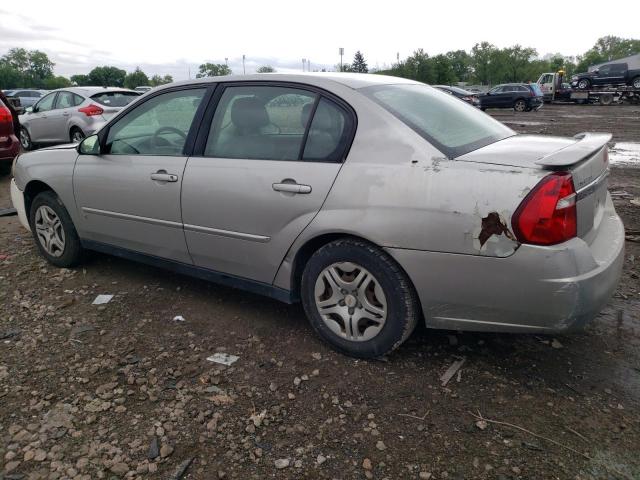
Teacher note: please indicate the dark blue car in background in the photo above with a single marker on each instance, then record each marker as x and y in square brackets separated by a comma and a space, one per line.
[522, 97]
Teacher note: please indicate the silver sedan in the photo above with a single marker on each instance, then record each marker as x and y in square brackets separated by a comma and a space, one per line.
[71, 114]
[377, 202]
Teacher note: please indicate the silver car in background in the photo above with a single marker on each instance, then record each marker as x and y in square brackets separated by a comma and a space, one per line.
[71, 114]
[377, 202]
[28, 97]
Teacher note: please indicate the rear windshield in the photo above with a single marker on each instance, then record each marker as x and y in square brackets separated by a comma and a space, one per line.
[452, 126]
[115, 99]
[536, 88]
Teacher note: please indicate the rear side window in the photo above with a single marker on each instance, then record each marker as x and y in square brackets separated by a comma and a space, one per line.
[328, 133]
[260, 122]
[114, 99]
[65, 100]
[158, 126]
[452, 126]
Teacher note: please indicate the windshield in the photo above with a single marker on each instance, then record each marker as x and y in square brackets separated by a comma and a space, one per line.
[115, 99]
[452, 126]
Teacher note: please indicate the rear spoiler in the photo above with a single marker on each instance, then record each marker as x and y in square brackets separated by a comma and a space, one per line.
[586, 145]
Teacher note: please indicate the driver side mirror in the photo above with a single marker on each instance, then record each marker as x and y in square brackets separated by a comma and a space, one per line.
[89, 146]
[597, 70]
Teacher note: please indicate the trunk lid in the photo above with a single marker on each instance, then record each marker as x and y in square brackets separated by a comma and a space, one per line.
[585, 156]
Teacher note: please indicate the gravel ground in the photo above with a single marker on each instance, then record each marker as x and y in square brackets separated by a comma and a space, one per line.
[124, 390]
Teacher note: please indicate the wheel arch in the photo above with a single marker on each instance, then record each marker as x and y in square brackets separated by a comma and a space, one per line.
[312, 245]
[31, 191]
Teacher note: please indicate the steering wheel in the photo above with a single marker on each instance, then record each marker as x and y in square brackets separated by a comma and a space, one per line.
[167, 129]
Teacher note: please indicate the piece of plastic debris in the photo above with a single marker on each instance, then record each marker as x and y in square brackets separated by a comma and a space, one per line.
[556, 344]
[223, 358]
[482, 424]
[452, 370]
[102, 299]
[179, 318]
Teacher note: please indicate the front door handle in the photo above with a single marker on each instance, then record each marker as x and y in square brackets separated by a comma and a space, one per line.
[291, 188]
[163, 176]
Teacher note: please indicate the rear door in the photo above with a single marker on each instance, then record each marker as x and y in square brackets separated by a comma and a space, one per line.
[59, 116]
[267, 162]
[129, 196]
[618, 73]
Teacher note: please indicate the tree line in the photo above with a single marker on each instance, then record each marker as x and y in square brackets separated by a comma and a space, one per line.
[21, 68]
[487, 64]
[484, 64]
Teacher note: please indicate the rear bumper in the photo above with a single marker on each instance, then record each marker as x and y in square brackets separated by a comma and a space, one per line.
[537, 289]
[9, 148]
[17, 199]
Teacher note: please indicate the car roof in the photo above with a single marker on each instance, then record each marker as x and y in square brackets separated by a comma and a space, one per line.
[351, 80]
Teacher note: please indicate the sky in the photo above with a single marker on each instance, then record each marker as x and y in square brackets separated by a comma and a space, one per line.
[174, 37]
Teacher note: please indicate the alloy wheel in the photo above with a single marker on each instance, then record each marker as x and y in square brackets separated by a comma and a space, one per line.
[520, 106]
[77, 136]
[25, 141]
[49, 231]
[350, 301]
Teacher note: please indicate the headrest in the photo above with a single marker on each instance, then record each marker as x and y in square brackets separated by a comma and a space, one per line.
[249, 115]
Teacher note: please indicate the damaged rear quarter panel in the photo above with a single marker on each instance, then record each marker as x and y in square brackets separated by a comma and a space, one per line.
[430, 203]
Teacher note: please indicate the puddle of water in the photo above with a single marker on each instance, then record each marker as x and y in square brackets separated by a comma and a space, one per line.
[625, 154]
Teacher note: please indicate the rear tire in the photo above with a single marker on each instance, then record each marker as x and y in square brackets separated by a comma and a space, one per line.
[369, 306]
[25, 139]
[635, 83]
[520, 105]
[584, 84]
[76, 135]
[53, 231]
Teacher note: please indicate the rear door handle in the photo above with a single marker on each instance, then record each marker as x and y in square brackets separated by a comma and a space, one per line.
[163, 176]
[291, 188]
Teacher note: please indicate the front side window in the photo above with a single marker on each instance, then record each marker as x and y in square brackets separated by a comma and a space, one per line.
[158, 126]
[46, 103]
[260, 122]
[453, 127]
[498, 89]
[604, 70]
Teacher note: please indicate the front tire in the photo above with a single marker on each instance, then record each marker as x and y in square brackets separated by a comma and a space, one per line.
[25, 139]
[584, 84]
[358, 299]
[53, 231]
[636, 82]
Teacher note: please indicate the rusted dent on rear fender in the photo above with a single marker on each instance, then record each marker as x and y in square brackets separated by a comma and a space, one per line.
[494, 224]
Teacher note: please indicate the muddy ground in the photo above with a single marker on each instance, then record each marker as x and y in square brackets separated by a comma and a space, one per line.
[123, 390]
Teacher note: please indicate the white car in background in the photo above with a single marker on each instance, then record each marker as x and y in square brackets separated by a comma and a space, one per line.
[70, 114]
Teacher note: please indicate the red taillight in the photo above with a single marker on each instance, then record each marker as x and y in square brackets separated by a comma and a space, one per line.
[91, 110]
[547, 215]
[5, 114]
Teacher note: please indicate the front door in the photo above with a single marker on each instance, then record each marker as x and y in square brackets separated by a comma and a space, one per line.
[271, 156]
[129, 197]
[59, 116]
[38, 120]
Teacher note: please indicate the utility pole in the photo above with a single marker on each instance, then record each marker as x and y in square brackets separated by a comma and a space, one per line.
[303, 62]
[244, 71]
[226, 61]
[308, 65]
[341, 50]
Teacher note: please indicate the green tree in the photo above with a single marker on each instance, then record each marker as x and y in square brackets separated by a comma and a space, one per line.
[443, 72]
[606, 49]
[9, 77]
[516, 60]
[27, 68]
[80, 80]
[158, 80]
[135, 79]
[482, 55]
[213, 70]
[107, 76]
[359, 64]
[460, 63]
[266, 69]
[52, 82]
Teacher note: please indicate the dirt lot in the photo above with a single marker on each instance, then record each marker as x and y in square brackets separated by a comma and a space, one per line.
[123, 390]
